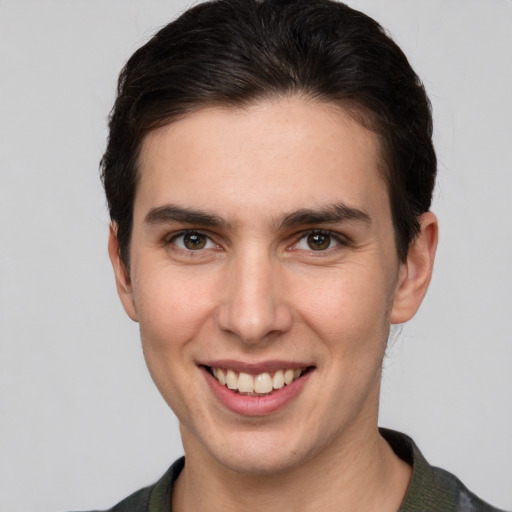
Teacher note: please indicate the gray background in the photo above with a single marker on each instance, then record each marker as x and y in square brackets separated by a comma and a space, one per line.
[81, 424]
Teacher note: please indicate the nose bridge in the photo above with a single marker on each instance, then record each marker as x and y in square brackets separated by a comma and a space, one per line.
[253, 305]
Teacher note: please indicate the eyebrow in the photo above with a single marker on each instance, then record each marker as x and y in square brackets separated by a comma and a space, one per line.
[172, 213]
[338, 212]
[334, 213]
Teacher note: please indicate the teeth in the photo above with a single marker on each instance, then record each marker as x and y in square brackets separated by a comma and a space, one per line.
[263, 383]
[231, 379]
[219, 375]
[245, 383]
[278, 380]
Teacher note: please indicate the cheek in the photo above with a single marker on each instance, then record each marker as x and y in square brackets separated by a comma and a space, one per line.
[348, 311]
[170, 318]
[164, 317]
[172, 310]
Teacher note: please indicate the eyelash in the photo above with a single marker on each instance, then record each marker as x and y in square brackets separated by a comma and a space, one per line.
[339, 239]
[171, 240]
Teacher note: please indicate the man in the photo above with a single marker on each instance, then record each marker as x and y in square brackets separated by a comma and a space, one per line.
[269, 176]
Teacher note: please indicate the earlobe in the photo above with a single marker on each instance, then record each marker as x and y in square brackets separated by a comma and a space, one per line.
[122, 275]
[416, 271]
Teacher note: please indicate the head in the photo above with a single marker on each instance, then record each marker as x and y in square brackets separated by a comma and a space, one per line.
[269, 173]
[237, 52]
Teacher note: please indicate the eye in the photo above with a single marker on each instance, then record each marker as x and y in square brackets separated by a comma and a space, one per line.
[192, 241]
[318, 241]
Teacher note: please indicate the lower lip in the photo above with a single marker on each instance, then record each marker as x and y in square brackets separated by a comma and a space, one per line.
[255, 405]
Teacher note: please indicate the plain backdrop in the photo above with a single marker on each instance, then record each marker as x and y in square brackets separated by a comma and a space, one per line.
[81, 424]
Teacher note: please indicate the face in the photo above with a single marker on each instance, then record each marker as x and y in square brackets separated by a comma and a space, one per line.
[264, 275]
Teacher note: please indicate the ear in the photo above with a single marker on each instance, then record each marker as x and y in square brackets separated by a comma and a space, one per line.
[416, 271]
[122, 274]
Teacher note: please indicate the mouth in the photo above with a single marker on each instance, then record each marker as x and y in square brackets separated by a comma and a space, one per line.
[257, 385]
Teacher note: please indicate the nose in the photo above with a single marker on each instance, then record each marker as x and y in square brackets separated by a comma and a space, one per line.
[254, 305]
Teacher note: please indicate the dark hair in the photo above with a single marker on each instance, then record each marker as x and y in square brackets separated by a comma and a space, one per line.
[234, 52]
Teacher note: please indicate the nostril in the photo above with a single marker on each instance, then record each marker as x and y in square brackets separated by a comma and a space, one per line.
[251, 304]
[254, 323]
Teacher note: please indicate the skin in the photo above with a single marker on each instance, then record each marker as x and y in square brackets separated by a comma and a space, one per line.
[257, 292]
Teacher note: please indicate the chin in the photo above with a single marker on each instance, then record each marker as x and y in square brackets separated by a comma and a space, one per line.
[256, 454]
[260, 463]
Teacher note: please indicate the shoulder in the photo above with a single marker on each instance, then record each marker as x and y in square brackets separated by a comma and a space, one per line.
[154, 498]
[432, 489]
[136, 502]
[453, 492]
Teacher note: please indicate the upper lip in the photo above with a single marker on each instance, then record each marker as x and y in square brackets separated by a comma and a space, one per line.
[255, 367]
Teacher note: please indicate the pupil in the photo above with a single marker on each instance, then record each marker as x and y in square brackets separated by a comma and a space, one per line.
[319, 241]
[194, 241]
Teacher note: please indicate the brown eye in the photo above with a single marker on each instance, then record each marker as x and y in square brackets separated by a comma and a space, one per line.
[194, 241]
[319, 241]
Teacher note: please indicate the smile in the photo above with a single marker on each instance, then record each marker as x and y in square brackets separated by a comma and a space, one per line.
[256, 385]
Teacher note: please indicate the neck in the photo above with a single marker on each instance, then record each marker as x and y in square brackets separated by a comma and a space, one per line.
[338, 479]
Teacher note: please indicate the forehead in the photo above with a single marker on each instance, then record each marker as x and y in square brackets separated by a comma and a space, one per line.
[271, 156]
